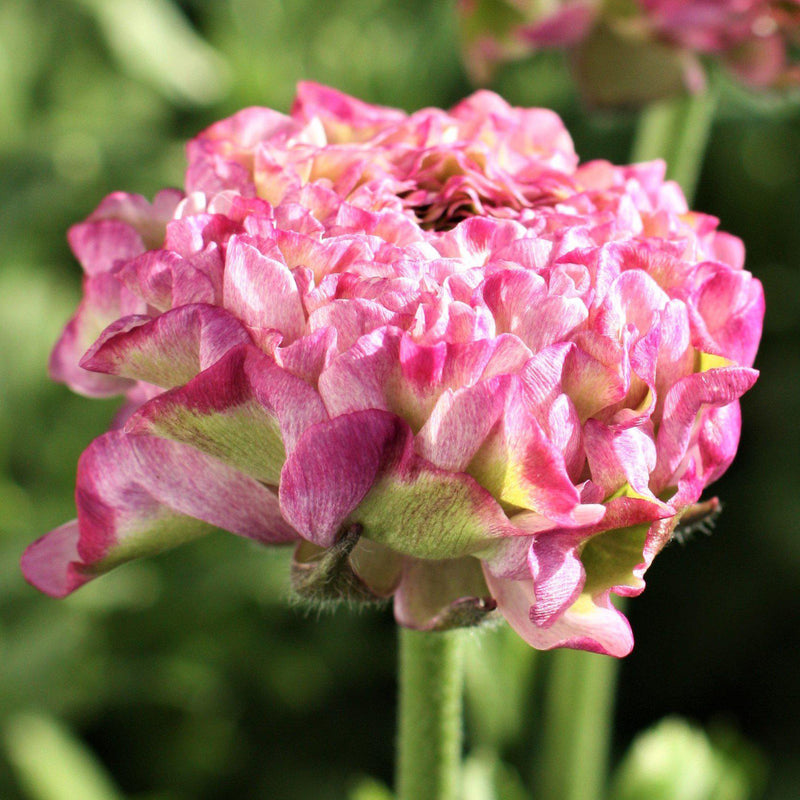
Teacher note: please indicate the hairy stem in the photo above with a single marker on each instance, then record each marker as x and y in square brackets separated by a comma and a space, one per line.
[430, 715]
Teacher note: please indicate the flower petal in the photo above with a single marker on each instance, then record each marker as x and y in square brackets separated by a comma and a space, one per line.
[439, 595]
[104, 301]
[361, 468]
[140, 495]
[168, 350]
[259, 289]
[244, 409]
[333, 467]
[590, 623]
[714, 387]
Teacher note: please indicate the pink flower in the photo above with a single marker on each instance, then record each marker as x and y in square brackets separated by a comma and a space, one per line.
[630, 53]
[448, 363]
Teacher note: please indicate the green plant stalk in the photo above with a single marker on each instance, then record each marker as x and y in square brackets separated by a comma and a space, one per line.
[677, 130]
[430, 715]
[578, 712]
[579, 697]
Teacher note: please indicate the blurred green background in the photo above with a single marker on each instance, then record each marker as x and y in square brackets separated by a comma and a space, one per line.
[191, 676]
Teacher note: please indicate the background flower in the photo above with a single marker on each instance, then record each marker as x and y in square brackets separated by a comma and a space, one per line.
[633, 53]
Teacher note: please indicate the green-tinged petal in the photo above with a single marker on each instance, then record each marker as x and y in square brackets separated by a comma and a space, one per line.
[611, 559]
[244, 410]
[429, 514]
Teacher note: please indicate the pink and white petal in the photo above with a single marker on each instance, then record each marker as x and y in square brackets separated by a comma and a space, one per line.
[198, 233]
[322, 257]
[551, 320]
[216, 412]
[244, 410]
[357, 379]
[344, 118]
[360, 468]
[469, 362]
[460, 422]
[537, 133]
[141, 495]
[351, 319]
[310, 355]
[591, 623]
[718, 440]
[105, 299]
[558, 575]
[727, 313]
[119, 476]
[619, 455]
[169, 350]
[542, 377]
[714, 387]
[476, 239]
[164, 279]
[332, 468]
[52, 563]
[439, 595]
[102, 244]
[533, 253]
[148, 219]
[520, 466]
[633, 298]
[564, 428]
[260, 290]
[510, 295]
[591, 383]
[387, 369]
[676, 356]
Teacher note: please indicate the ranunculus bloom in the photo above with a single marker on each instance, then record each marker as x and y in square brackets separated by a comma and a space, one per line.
[634, 52]
[448, 363]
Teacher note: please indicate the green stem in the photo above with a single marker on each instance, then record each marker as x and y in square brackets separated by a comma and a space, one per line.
[677, 130]
[430, 715]
[578, 713]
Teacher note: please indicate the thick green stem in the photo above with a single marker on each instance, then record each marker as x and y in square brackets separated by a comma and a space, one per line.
[677, 130]
[430, 715]
[578, 713]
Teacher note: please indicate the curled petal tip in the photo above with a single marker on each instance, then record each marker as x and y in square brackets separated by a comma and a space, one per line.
[50, 562]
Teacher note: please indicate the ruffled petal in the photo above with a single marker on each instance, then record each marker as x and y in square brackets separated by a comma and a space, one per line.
[244, 410]
[361, 468]
[591, 623]
[140, 495]
[168, 350]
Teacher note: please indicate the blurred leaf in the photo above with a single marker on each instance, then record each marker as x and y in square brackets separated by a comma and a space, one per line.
[485, 777]
[369, 789]
[678, 761]
[153, 41]
[52, 764]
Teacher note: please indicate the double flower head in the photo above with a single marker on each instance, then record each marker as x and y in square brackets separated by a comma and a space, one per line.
[440, 358]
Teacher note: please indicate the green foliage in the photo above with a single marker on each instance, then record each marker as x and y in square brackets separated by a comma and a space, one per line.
[369, 789]
[678, 761]
[485, 777]
[52, 764]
